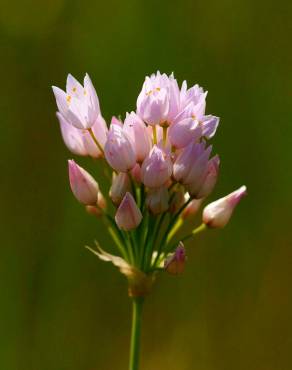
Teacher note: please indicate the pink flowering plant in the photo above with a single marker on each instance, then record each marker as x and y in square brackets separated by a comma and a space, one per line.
[162, 171]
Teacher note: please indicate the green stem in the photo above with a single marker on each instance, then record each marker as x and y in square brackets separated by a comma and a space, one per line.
[154, 135]
[136, 333]
[95, 140]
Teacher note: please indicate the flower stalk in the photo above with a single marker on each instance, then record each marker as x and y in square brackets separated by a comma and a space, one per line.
[137, 307]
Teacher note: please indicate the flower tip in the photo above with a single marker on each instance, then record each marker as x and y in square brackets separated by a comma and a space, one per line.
[217, 214]
[128, 215]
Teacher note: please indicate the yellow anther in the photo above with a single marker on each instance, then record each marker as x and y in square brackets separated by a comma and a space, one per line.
[149, 92]
[74, 89]
[68, 98]
[84, 92]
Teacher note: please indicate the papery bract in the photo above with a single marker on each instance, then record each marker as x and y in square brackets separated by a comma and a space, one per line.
[218, 213]
[175, 263]
[156, 168]
[119, 149]
[83, 185]
[128, 215]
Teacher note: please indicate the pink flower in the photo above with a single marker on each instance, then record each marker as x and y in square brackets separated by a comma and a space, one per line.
[185, 128]
[191, 164]
[79, 105]
[218, 213]
[175, 263]
[156, 168]
[137, 131]
[83, 185]
[79, 141]
[153, 100]
[157, 200]
[119, 149]
[121, 184]
[195, 95]
[128, 215]
[73, 137]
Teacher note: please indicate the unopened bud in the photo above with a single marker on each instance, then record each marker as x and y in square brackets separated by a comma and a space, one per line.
[128, 215]
[218, 213]
[192, 208]
[156, 168]
[157, 200]
[121, 184]
[83, 185]
[175, 263]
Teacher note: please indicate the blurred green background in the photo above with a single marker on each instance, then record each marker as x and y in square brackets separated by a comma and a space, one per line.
[60, 307]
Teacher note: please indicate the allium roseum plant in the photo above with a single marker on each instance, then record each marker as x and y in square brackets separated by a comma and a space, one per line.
[162, 171]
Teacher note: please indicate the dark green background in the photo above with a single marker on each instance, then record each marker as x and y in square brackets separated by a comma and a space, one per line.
[60, 307]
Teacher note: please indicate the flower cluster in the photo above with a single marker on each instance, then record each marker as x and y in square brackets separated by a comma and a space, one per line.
[162, 167]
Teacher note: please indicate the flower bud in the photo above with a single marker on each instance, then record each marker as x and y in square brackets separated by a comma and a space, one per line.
[121, 184]
[83, 185]
[119, 150]
[192, 208]
[128, 215]
[137, 131]
[191, 164]
[175, 263]
[156, 168]
[218, 213]
[202, 190]
[157, 200]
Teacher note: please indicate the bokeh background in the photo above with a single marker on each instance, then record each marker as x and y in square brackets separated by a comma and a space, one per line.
[60, 307]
